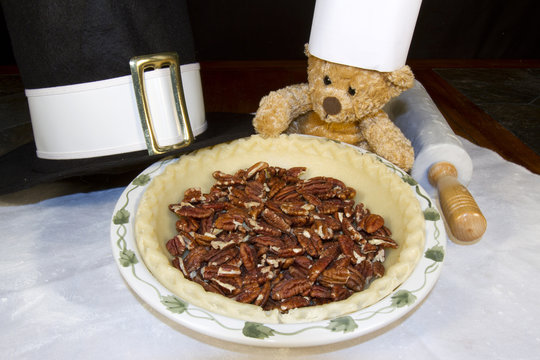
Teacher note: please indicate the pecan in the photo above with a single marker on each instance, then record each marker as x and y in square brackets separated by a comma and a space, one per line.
[356, 281]
[340, 292]
[255, 190]
[384, 242]
[330, 206]
[305, 239]
[319, 266]
[194, 259]
[357, 256]
[348, 210]
[187, 209]
[295, 172]
[276, 220]
[255, 168]
[266, 273]
[330, 249]
[276, 187]
[371, 223]
[378, 269]
[350, 230]
[368, 248]
[303, 261]
[297, 208]
[333, 222]
[287, 288]
[274, 261]
[322, 229]
[287, 193]
[216, 206]
[312, 199]
[300, 221]
[178, 263]
[270, 241]
[228, 221]
[227, 179]
[297, 271]
[224, 270]
[208, 286]
[216, 194]
[334, 275]
[264, 294]
[346, 193]
[230, 286]
[206, 225]
[287, 263]
[360, 212]
[204, 239]
[187, 224]
[293, 303]
[223, 256]
[247, 254]
[365, 268]
[346, 244]
[261, 227]
[248, 293]
[193, 195]
[176, 246]
[242, 199]
[290, 252]
[316, 185]
[319, 291]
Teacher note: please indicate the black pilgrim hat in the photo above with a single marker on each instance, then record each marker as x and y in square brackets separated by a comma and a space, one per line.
[95, 105]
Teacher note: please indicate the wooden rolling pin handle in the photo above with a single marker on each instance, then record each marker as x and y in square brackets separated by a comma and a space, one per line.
[462, 214]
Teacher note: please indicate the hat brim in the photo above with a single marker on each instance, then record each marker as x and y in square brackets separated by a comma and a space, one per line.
[22, 168]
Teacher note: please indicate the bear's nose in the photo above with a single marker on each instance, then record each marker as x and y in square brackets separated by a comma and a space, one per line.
[331, 105]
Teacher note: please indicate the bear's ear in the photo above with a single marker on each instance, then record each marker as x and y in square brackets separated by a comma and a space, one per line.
[401, 79]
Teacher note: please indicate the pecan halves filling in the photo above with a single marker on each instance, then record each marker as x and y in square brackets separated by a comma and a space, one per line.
[266, 236]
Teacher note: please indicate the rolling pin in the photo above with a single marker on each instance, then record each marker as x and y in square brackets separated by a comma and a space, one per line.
[442, 166]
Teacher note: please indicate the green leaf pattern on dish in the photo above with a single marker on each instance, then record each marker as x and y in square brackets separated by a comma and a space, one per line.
[432, 214]
[141, 180]
[256, 330]
[121, 217]
[436, 253]
[345, 324]
[127, 258]
[174, 304]
[402, 298]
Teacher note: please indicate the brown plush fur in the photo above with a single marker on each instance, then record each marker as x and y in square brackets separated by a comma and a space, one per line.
[346, 107]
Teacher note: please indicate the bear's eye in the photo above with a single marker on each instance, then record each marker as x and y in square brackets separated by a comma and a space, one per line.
[327, 80]
[351, 91]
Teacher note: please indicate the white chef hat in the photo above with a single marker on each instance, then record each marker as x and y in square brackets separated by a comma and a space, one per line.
[369, 34]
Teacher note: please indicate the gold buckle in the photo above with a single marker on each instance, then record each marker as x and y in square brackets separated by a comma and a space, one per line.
[138, 65]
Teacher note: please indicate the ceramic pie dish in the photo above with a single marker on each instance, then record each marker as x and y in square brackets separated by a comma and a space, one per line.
[142, 223]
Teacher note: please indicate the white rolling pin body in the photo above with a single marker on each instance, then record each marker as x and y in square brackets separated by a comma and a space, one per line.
[441, 165]
[415, 113]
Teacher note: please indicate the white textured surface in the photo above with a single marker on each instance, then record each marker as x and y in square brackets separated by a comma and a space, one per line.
[62, 297]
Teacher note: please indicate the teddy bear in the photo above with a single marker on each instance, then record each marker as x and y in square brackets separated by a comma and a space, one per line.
[342, 103]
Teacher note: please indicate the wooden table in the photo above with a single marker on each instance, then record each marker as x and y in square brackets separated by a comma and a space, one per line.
[237, 86]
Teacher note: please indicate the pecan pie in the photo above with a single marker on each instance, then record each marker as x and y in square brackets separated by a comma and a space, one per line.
[266, 229]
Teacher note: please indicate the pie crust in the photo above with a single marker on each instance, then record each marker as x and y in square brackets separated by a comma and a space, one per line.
[381, 190]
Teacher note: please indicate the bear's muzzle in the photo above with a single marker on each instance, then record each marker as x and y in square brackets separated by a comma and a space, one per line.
[331, 105]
